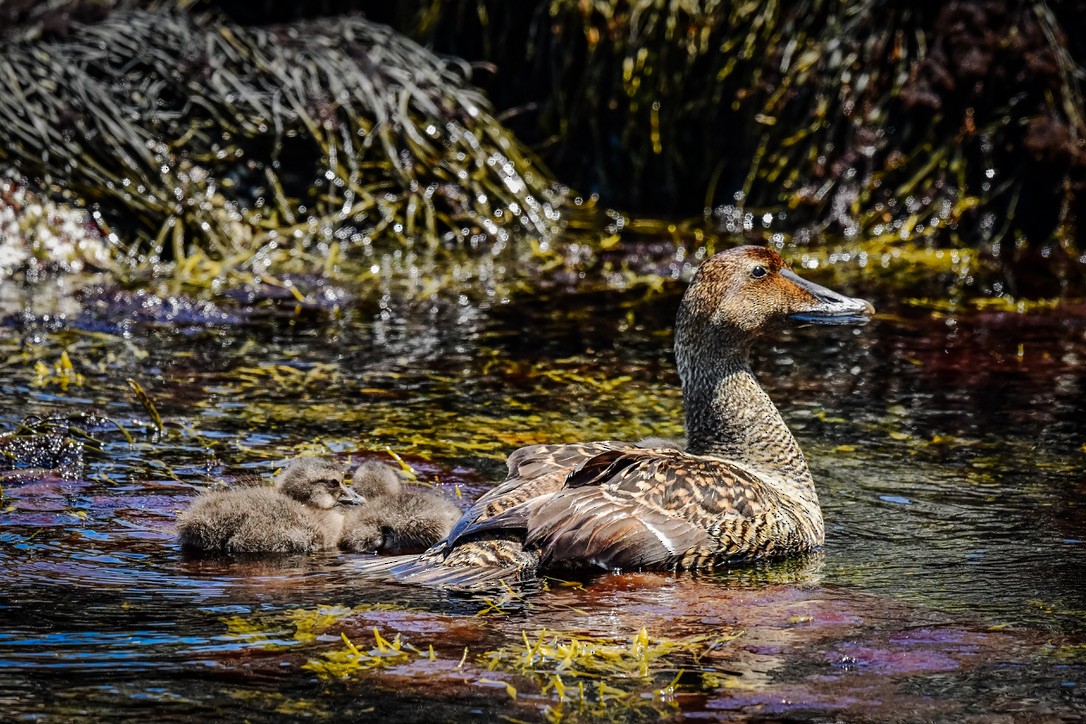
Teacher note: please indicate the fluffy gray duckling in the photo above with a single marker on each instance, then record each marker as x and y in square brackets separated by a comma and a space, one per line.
[394, 519]
[299, 513]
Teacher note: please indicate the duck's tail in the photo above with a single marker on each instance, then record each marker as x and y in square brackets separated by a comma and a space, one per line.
[421, 570]
[466, 569]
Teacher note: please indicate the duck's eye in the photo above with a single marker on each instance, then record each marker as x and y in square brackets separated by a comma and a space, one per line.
[758, 272]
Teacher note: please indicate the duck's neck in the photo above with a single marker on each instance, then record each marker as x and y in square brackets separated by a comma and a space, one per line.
[729, 415]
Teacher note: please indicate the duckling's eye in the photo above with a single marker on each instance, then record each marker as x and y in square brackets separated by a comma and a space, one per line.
[758, 272]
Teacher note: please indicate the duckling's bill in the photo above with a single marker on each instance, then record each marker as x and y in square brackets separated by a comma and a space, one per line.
[347, 496]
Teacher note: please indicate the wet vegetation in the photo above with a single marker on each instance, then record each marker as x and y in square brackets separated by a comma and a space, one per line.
[322, 138]
[320, 145]
[957, 124]
[287, 273]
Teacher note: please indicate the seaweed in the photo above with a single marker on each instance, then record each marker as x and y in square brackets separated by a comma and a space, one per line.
[954, 125]
[61, 374]
[203, 142]
[606, 407]
[343, 663]
[338, 147]
[57, 442]
[285, 629]
[584, 676]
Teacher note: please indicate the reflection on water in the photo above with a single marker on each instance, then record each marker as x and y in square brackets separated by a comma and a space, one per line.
[948, 450]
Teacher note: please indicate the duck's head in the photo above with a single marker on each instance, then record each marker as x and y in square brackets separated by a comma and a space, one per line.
[317, 482]
[740, 294]
[372, 479]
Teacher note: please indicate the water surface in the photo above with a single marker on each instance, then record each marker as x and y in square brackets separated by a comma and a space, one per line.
[948, 449]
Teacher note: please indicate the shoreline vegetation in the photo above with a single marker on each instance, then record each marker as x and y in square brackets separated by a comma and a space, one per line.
[216, 151]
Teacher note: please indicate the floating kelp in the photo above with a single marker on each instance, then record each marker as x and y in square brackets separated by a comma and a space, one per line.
[58, 442]
[960, 124]
[602, 408]
[549, 654]
[583, 676]
[289, 628]
[248, 146]
[340, 664]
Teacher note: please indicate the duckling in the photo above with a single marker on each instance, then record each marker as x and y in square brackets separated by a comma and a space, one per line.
[299, 513]
[394, 520]
[737, 489]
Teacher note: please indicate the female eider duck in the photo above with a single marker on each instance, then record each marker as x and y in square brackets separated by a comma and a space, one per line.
[299, 513]
[739, 488]
[394, 519]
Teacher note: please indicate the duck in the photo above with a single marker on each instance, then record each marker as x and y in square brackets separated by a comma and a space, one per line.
[301, 512]
[737, 488]
[394, 520]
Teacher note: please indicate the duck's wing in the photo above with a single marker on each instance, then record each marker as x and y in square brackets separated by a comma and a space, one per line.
[534, 471]
[633, 508]
[538, 469]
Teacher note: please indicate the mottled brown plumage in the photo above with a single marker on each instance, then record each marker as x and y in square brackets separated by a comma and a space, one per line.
[738, 490]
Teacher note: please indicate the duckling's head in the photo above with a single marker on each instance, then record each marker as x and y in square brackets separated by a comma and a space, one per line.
[372, 479]
[317, 482]
[742, 293]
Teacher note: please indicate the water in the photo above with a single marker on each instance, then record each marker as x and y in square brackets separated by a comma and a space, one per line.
[948, 449]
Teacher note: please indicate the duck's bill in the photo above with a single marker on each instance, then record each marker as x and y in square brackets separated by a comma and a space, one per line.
[348, 496]
[829, 307]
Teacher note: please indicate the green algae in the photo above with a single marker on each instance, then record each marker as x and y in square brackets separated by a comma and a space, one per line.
[148, 405]
[563, 675]
[599, 251]
[607, 679]
[598, 678]
[346, 662]
[617, 406]
[550, 655]
[281, 704]
[62, 374]
[285, 629]
[1003, 303]
[1069, 653]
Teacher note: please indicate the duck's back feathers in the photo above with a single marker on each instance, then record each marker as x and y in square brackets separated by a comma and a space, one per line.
[534, 471]
[614, 505]
[594, 527]
[654, 508]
